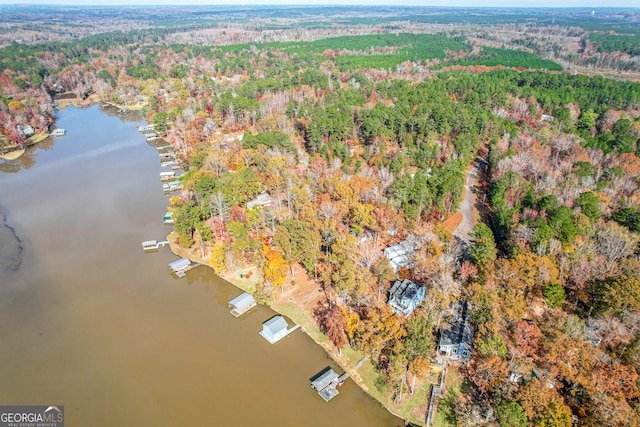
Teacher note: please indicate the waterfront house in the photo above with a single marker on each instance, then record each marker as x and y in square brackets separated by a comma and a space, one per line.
[26, 130]
[405, 296]
[274, 329]
[456, 337]
[400, 254]
[180, 267]
[262, 200]
[242, 304]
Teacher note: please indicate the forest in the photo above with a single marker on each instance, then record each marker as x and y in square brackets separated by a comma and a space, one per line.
[363, 138]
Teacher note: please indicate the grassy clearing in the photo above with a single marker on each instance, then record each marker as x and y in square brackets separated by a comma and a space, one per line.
[35, 138]
[12, 155]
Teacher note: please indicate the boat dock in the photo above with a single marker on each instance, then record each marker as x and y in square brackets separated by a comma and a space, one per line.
[150, 245]
[171, 186]
[242, 304]
[167, 176]
[275, 329]
[58, 132]
[326, 383]
[181, 266]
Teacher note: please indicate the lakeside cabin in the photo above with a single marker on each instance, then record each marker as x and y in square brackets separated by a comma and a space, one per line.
[276, 328]
[405, 297]
[456, 339]
[180, 267]
[326, 383]
[242, 304]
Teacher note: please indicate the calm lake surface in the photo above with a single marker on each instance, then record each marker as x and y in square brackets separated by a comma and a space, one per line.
[88, 321]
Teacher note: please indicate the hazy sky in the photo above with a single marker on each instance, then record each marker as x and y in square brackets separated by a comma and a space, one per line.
[466, 3]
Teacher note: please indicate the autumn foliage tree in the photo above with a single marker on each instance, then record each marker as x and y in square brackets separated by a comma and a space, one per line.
[275, 267]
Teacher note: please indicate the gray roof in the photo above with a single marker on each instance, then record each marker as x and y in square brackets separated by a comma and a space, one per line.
[275, 324]
[460, 331]
[180, 264]
[243, 301]
[405, 294]
[323, 379]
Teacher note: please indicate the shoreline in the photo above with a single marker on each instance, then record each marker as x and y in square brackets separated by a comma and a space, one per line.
[347, 360]
[15, 151]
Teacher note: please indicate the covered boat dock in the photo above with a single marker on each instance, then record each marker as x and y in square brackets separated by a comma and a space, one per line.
[326, 383]
[242, 304]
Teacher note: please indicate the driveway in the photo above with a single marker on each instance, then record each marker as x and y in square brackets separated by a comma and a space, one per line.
[464, 230]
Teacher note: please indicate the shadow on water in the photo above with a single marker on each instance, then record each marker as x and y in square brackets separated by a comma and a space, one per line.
[113, 111]
[11, 246]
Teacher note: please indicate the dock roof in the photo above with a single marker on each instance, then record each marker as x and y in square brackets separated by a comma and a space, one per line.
[180, 264]
[243, 301]
[323, 379]
[275, 325]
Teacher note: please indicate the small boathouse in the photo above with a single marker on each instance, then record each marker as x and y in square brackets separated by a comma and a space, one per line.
[180, 267]
[326, 383]
[276, 328]
[151, 245]
[242, 304]
[167, 176]
[171, 186]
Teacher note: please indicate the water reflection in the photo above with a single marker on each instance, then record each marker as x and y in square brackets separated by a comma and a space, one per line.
[29, 158]
[113, 111]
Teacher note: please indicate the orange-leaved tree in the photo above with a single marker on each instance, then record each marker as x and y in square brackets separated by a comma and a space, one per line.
[275, 268]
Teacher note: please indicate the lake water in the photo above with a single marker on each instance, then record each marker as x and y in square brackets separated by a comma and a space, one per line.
[88, 321]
